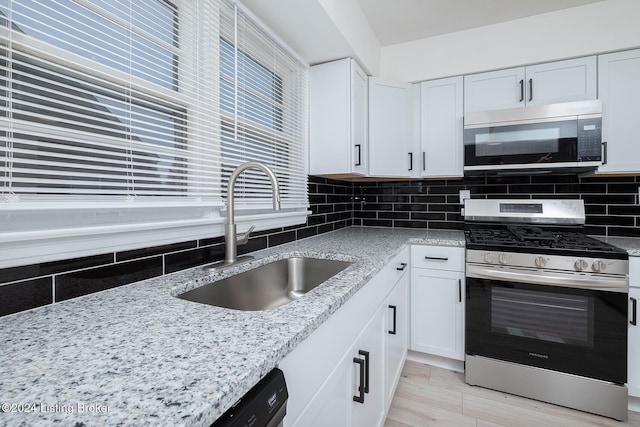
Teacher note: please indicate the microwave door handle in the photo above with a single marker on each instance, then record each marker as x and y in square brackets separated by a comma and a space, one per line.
[604, 152]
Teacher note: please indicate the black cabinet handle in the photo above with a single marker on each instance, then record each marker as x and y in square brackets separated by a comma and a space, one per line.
[359, 147]
[459, 290]
[403, 265]
[411, 161]
[521, 90]
[436, 258]
[424, 161]
[604, 152]
[530, 89]
[367, 366]
[360, 397]
[634, 309]
[394, 330]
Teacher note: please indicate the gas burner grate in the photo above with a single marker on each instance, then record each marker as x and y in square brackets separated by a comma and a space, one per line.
[523, 237]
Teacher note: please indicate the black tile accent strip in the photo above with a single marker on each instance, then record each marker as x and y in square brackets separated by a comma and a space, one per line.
[25, 295]
[13, 274]
[193, 257]
[155, 250]
[75, 284]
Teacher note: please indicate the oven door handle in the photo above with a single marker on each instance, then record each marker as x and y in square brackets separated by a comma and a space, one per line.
[550, 278]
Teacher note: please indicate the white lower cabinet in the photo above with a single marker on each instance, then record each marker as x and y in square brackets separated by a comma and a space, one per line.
[397, 333]
[437, 301]
[633, 358]
[367, 385]
[344, 373]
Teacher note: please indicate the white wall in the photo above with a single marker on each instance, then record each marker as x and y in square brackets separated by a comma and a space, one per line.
[352, 23]
[600, 27]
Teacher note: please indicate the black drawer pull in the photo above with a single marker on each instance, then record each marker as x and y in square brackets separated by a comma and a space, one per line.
[360, 397]
[403, 265]
[394, 330]
[367, 366]
[436, 258]
[634, 309]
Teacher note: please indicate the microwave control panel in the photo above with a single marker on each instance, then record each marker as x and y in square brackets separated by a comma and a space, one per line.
[590, 139]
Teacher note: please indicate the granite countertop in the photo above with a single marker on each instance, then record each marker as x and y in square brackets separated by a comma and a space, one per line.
[629, 244]
[136, 355]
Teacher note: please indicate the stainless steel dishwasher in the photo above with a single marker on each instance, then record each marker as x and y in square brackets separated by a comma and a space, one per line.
[265, 405]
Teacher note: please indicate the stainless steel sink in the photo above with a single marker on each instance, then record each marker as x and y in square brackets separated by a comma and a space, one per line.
[268, 286]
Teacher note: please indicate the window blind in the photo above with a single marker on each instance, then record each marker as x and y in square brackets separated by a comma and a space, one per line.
[110, 109]
[263, 102]
[106, 102]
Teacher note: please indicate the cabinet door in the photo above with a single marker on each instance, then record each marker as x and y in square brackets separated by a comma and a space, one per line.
[397, 334]
[390, 129]
[359, 117]
[494, 90]
[633, 367]
[370, 348]
[331, 406]
[437, 312]
[441, 125]
[619, 90]
[338, 125]
[561, 81]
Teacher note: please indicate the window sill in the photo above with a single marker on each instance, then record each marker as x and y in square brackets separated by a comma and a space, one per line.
[23, 248]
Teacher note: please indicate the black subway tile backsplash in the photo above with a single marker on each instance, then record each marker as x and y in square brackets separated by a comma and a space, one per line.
[611, 205]
[15, 297]
[155, 250]
[190, 258]
[78, 283]
[13, 274]
[282, 238]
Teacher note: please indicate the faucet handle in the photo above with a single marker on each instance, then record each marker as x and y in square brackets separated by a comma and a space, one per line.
[243, 238]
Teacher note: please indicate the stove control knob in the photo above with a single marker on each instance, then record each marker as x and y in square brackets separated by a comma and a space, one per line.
[599, 266]
[540, 261]
[488, 258]
[580, 265]
[503, 258]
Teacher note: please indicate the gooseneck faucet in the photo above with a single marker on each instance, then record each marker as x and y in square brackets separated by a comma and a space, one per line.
[232, 239]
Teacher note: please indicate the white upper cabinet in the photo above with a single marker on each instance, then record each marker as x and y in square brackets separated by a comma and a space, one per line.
[548, 83]
[441, 125]
[619, 90]
[390, 129]
[338, 125]
[633, 360]
[494, 90]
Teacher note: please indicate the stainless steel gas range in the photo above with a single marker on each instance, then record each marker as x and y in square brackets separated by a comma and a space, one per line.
[546, 308]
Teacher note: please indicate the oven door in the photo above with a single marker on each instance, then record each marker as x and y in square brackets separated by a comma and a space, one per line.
[571, 330]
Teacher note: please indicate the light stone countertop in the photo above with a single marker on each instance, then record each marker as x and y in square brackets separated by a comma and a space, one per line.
[629, 244]
[136, 355]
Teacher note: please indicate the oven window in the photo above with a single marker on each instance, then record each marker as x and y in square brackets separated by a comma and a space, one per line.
[559, 318]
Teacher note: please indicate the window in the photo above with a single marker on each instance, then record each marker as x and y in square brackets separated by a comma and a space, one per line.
[262, 102]
[112, 109]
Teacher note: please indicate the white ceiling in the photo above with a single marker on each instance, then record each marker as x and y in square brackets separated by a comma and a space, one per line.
[399, 21]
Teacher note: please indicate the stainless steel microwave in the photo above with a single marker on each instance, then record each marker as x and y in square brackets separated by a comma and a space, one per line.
[545, 137]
